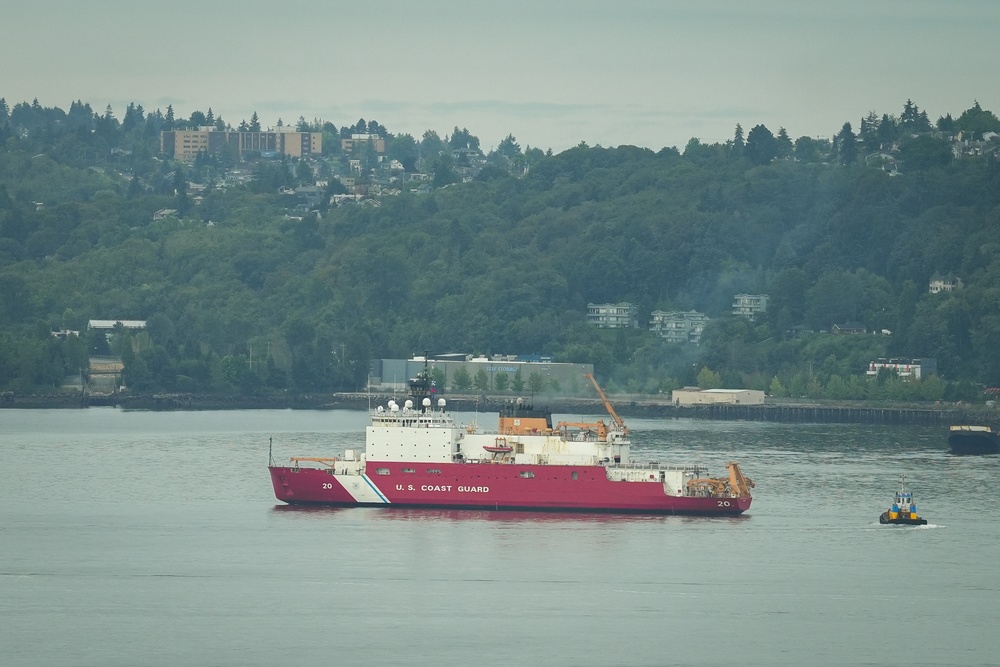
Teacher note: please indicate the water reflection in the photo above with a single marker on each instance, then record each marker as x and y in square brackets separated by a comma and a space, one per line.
[431, 514]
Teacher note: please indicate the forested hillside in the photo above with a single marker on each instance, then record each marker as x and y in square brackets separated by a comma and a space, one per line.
[244, 294]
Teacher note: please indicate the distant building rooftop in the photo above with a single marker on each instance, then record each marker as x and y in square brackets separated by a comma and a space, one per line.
[111, 324]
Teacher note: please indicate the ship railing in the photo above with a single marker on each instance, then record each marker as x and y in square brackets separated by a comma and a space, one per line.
[413, 419]
[655, 465]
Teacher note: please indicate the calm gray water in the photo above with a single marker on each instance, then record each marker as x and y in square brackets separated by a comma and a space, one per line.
[140, 538]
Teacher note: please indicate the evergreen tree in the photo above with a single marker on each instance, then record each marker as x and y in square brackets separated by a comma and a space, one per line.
[784, 144]
[738, 141]
[923, 122]
[134, 187]
[868, 133]
[976, 120]
[463, 139]
[509, 147]
[761, 146]
[846, 145]
[888, 131]
[133, 118]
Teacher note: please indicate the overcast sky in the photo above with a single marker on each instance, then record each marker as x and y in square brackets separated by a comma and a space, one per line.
[650, 73]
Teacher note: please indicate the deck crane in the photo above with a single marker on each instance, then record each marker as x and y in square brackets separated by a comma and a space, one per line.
[607, 405]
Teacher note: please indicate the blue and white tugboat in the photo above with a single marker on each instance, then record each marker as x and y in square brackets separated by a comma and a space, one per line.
[903, 511]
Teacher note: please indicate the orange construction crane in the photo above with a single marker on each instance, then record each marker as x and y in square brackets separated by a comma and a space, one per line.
[737, 486]
[740, 484]
[607, 404]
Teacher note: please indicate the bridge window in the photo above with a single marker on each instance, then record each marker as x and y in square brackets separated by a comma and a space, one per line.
[410, 470]
[433, 471]
[576, 475]
[527, 474]
[381, 471]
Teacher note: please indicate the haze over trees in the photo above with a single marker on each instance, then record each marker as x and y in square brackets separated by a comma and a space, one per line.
[242, 292]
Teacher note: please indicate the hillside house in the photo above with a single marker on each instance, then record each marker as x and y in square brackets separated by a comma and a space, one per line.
[750, 305]
[947, 283]
[677, 326]
[613, 315]
[849, 328]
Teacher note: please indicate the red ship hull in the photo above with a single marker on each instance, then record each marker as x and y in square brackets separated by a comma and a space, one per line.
[494, 487]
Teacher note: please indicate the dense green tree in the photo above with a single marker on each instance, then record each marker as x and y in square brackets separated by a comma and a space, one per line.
[463, 139]
[462, 380]
[304, 173]
[481, 381]
[868, 132]
[536, 383]
[444, 171]
[518, 383]
[739, 142]
[509, 147]
[431, 145]
[888, 130]
[925, 152]
[807, 149]
[976, 120]
[946, 123]
[761, 145]
[784, 146]
[709, 379]
[403, 147]
[847, 145]
[501, 382]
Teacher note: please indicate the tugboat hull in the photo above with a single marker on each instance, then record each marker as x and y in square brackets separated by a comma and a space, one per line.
[901, 521]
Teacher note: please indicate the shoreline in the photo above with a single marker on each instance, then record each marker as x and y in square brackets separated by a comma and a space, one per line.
[780, 410]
